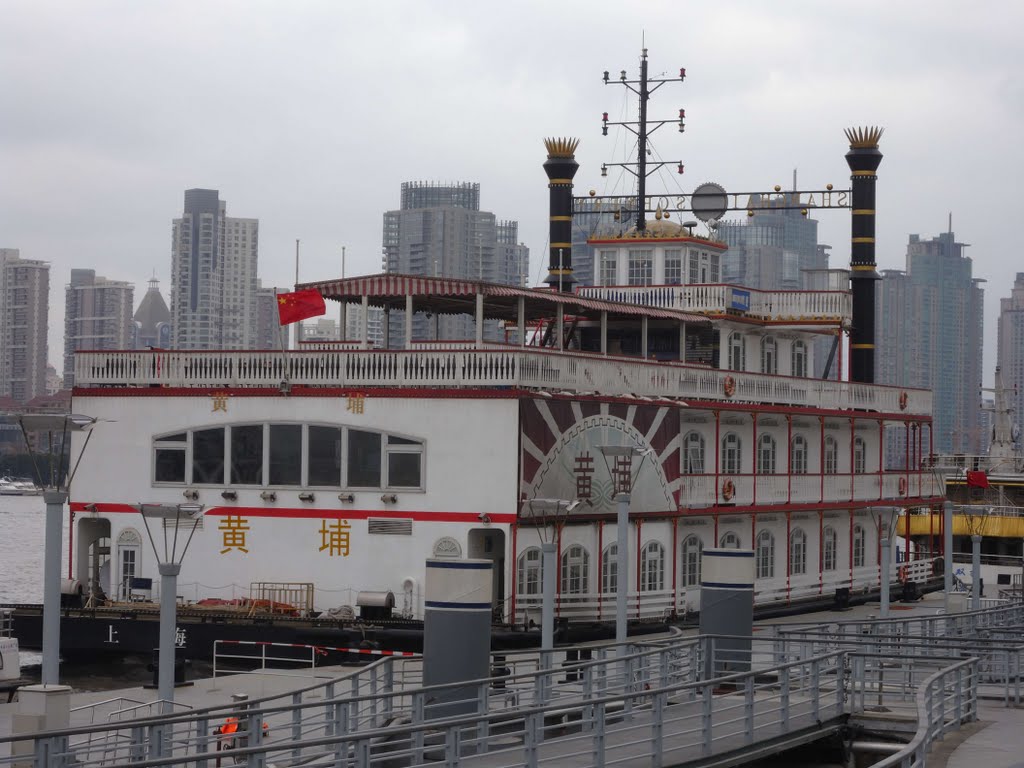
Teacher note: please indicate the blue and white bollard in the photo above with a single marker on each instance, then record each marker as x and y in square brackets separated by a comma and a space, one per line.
[456, 632]
[727, 608]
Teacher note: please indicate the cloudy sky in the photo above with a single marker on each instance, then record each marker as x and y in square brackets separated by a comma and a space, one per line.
[309, 115]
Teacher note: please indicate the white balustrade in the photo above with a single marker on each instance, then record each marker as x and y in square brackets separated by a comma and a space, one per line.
[718, 298]
[528, 368]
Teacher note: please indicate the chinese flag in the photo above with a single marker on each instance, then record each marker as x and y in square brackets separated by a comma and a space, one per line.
[977, 480]
[292, 307]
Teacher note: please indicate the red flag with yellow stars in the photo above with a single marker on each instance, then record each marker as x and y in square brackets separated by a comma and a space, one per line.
[292, 307]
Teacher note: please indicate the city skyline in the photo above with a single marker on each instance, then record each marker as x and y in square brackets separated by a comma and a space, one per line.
[93, 181]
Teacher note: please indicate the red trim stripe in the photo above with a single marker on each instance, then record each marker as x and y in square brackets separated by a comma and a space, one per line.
[297, 513]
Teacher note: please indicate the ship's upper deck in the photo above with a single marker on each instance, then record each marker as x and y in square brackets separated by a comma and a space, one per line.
[535, 317]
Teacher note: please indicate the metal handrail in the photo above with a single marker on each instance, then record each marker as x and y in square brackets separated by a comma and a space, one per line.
[930, 727]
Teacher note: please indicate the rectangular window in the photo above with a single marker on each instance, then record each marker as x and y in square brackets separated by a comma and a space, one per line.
[609, 268]
[404, 470]
[170, 465]
[324, 451]
[673, 267]
[208, 456]
[640, 267]
[694, 260]
[363, 459]
[247, 455]
[285, 454]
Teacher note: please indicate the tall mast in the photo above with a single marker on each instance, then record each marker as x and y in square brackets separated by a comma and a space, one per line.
[643, 88]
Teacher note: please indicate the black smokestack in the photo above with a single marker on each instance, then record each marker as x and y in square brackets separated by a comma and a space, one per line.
[863, 159]
[560, 167]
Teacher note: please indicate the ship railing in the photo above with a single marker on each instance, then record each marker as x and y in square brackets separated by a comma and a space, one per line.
[651, 605]
[606, 710]
[698, 491]
[286, 659]
[791, 306]
[521, 368]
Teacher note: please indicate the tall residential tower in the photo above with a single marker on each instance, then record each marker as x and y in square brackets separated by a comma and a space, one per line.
[213, 276]
[24, 308]
[440, 230]
[1010, 347]
[97, 315]
[931, 314]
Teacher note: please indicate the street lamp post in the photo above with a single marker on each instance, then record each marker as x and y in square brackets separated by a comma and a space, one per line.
[887, 518]
[623, 497]
[54, 495]
[550, 512]
[169, 561]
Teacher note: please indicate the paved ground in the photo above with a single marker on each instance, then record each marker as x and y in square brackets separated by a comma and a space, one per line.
[996, 742]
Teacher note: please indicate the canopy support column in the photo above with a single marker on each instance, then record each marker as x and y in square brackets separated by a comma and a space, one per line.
[479, 320]
[604, 332]
[521, 323]
[408, 321]
[643, 337]
[364, 338]
[682, 342]
[560, 325]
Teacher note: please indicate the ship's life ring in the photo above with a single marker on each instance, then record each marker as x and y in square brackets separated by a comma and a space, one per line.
[902, 574]
[728, 490]
[903, 401]
[729, 386]
[903, 486]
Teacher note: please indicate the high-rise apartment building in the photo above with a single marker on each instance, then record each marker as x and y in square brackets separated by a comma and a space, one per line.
[771, 249]
[1010, 347]
[24, 307]
[777, 249]
[24, 310]
[152, 320]
[213, 275]
[97, 315]
[929, 334]
[440, 230]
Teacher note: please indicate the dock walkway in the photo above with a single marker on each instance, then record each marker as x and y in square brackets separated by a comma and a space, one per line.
[671, 700]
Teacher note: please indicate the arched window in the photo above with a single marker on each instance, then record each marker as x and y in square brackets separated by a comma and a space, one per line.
[769, 355]
[831, 457]
[797, 552]
[765, 555]
[530, 572]
[731, 454]
[858, 546]
[860, 451]
[729, 540]
[575, 570]
[737, 352]
[692, 548]
[652, 567]
[799, 359]
[798, 455]
[766, 455]
[829, 544]
[693, 453]
[610, 569]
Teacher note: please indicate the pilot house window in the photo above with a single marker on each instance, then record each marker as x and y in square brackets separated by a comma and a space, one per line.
[288, 455]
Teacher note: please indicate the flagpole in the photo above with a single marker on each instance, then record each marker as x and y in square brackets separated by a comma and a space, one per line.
[286, 385]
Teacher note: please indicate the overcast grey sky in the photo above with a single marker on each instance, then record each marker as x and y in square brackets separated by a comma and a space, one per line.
[309, 115]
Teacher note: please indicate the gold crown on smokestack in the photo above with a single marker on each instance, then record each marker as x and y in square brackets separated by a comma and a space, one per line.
[864, 138]
[561, 147]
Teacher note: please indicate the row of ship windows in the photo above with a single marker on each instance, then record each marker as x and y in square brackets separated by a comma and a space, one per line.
[575, 565]
[288, 455]
[702, 268]
[766, 455]
[737, 351]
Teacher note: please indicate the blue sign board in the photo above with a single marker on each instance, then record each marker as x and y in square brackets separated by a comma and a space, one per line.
[740, 300]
